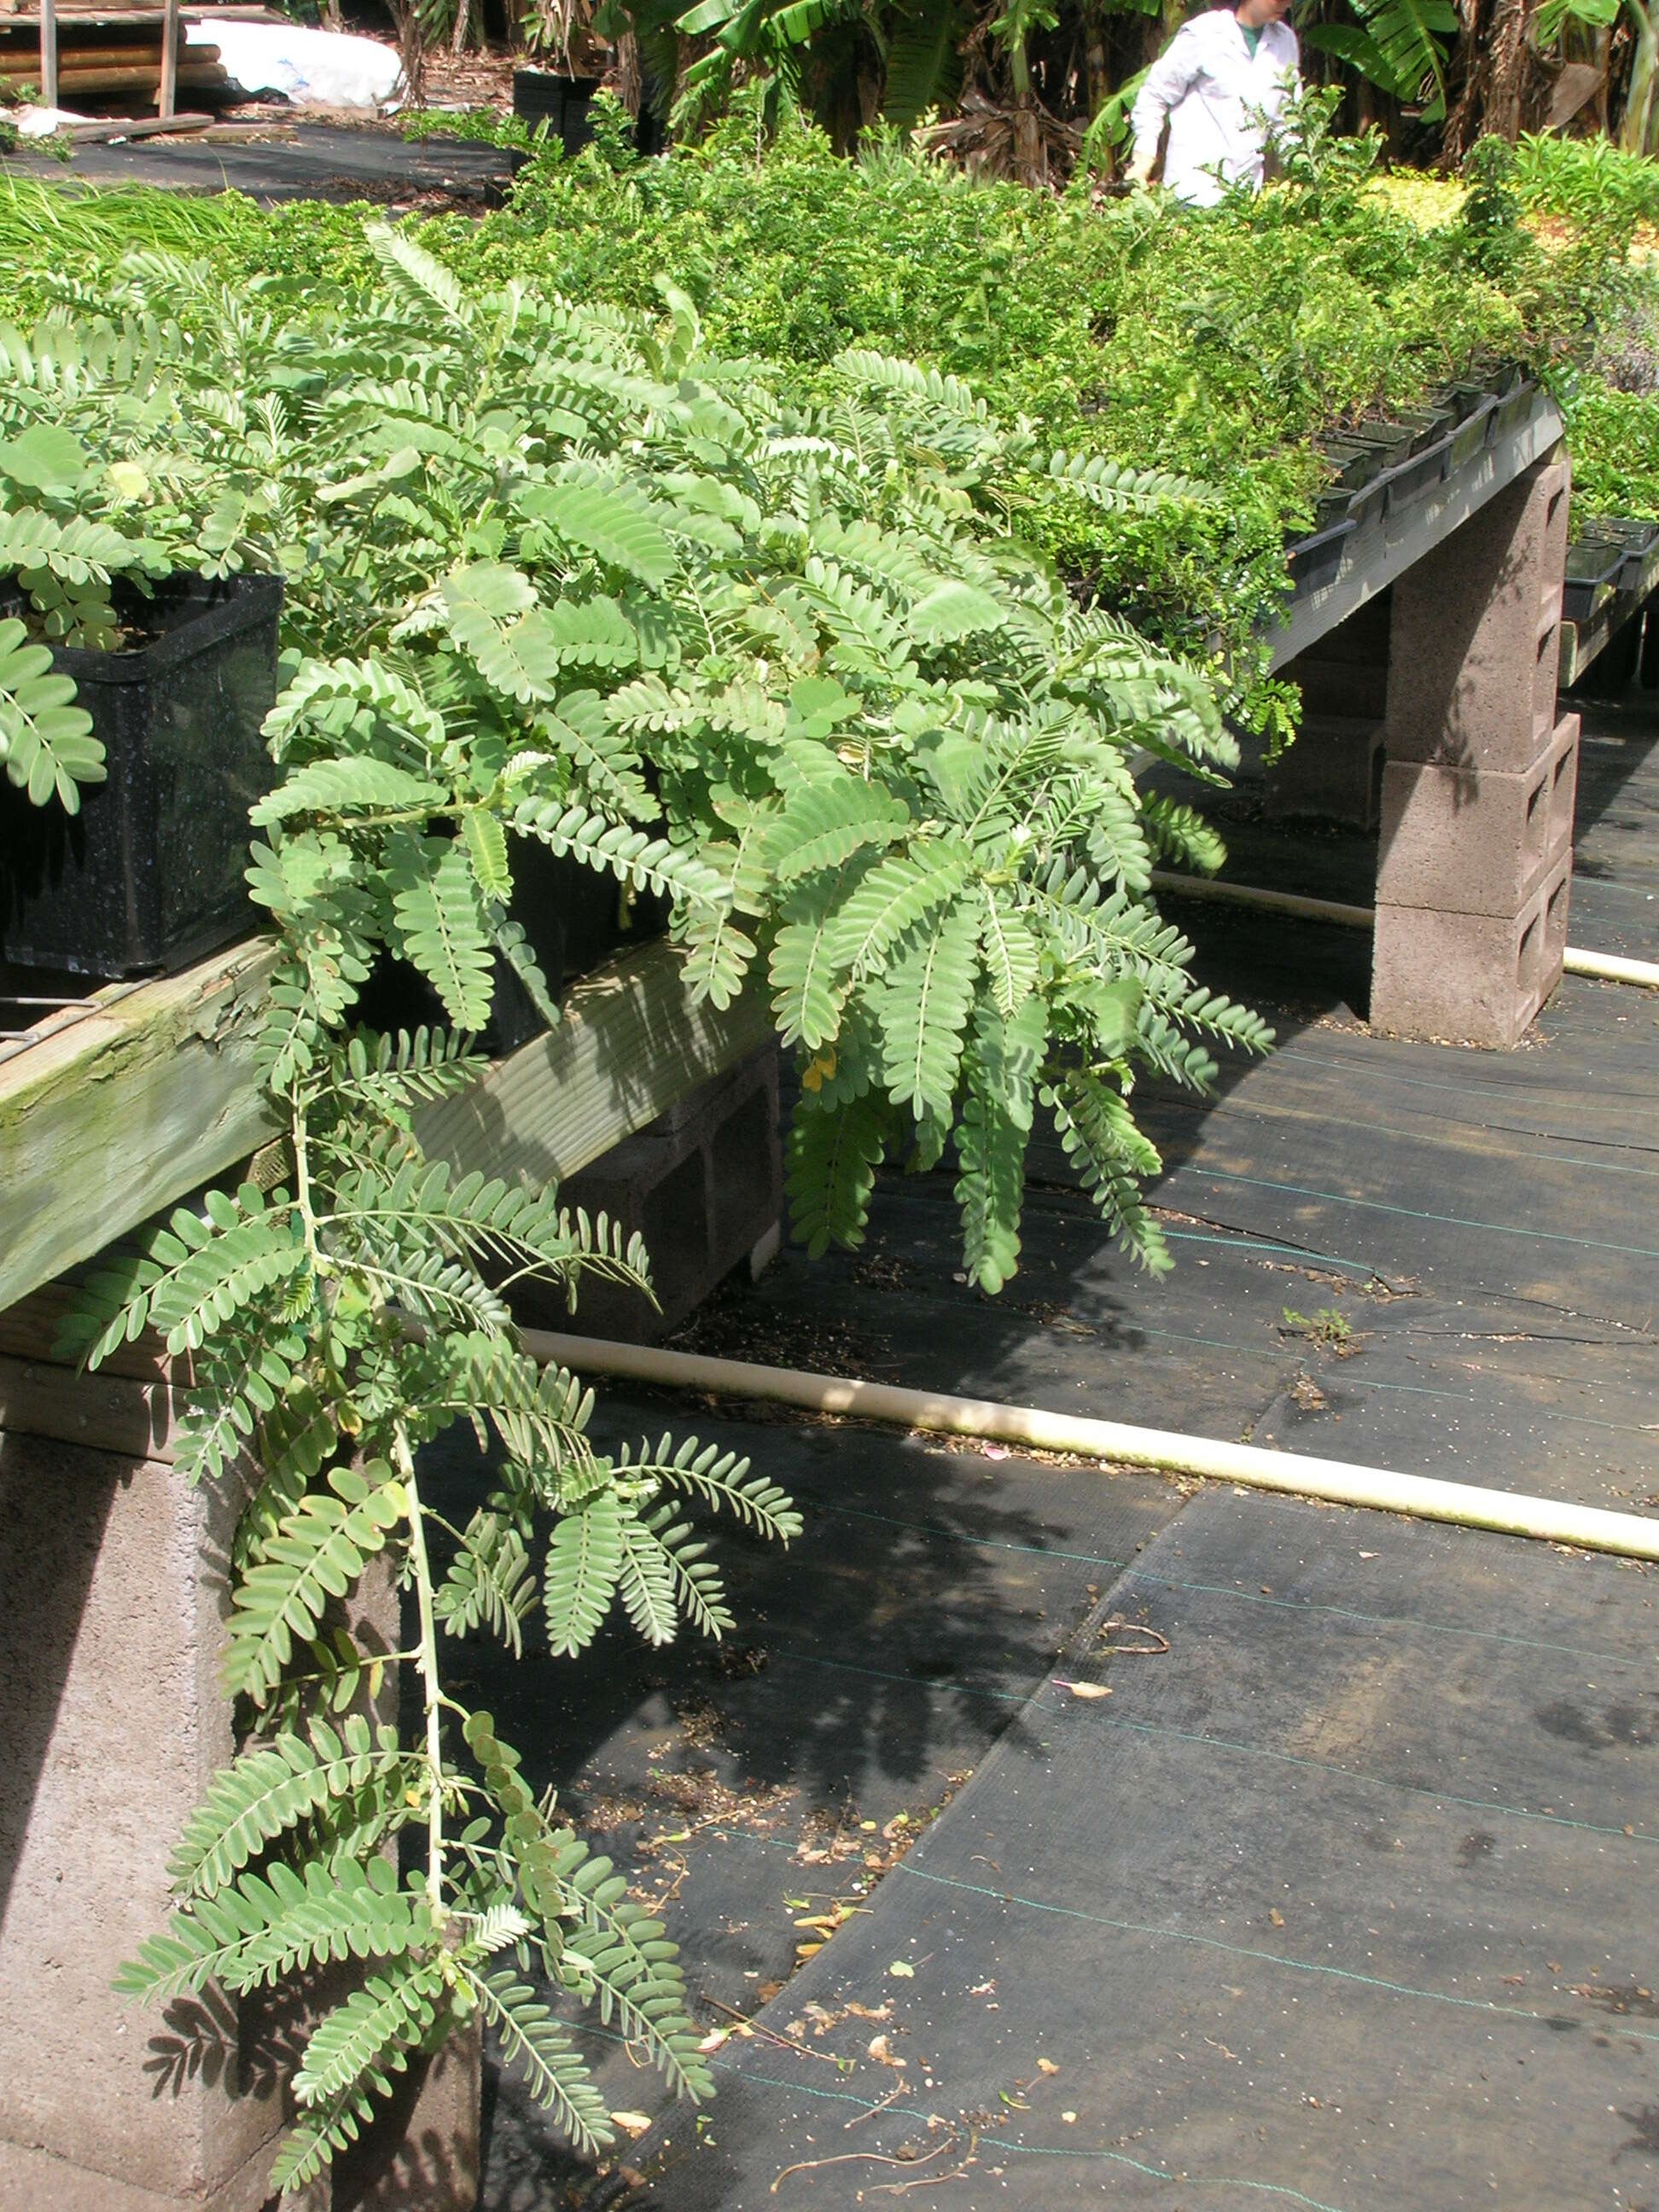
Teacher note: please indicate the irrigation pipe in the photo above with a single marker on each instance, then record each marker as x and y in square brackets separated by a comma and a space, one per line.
[1607, 967]
[1468, 1505]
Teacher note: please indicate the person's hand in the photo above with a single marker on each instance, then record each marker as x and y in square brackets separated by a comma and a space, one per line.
[1141, 169]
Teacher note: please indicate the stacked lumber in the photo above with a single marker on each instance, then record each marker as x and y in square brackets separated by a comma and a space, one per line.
[105, 55]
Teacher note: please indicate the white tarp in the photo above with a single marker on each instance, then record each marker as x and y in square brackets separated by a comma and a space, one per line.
[41, 122]
[314, 69]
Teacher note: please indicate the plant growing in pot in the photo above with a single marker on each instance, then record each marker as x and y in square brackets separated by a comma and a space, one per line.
[555, 574]
[132, 698]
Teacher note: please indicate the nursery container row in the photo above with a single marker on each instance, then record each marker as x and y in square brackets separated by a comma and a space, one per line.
[1383, 465]
[148, 877]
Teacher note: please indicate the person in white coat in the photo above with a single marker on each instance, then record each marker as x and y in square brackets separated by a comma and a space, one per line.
[1221, 82]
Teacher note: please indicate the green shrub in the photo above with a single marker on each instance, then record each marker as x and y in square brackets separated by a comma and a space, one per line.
[557, 574]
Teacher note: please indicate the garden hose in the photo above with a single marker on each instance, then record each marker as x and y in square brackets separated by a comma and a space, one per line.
[1607, 966]
[1468, 1505]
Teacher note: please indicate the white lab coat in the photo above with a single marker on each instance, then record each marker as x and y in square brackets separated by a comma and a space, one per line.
[1216, 94]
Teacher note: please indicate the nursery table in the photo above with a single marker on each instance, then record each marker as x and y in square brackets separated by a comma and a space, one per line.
[1428, 657]
[112, 1637]
[114, 1108]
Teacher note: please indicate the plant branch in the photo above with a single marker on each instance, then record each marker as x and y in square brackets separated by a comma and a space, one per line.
[433, 1695]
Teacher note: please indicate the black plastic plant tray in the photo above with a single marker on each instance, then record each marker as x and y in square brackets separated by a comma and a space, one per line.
[1473, 434]
[1391, 440]
[149, 876]
[1514, 406]
[1353, 462]
[573, 920]
[1365, 506]
[1404, 484]
[561, 102]
[1595, 566]
[1638, 538]
[1428, 426]
[1313, 562]
[1466, 398]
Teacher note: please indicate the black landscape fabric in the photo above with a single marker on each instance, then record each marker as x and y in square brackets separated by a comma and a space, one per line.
[1331, 1903]
[1337, 1902]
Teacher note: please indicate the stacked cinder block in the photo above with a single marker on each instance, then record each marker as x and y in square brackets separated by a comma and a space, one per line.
[702, 1184]
[1478, 792]
[112, 1650]
[1334, 768]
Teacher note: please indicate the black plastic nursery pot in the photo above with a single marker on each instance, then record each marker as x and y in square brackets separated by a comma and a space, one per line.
[149, 877]
[1316, 561]
[1476, 416]
[1595, 566]
[560, 101]
[1638, 538]
[574, 919]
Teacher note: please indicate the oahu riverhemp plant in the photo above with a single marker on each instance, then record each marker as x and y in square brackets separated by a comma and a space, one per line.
[64, 560]
[554, 573]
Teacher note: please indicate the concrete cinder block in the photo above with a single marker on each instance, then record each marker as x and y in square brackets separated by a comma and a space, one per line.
[1333, 772]
[703, 1185]
[422, 2152]
[1475, 632]
[110, 1636]
[1477, 841]
[111, 1639]
[1468, 978]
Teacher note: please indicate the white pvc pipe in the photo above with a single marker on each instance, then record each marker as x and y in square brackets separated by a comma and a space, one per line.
[1607, 967]
[1591, 1527]
[1611, 967]
[1309, 909]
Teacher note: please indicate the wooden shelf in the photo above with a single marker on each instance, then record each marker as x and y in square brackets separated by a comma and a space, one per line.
[117, 1113]
[1388, 545]
[111, 1117]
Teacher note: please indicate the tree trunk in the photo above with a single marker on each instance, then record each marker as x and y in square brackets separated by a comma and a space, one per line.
[1508, 65]
[1504, 79]
[1461, 128]
[1031, 149]
[1636, 133]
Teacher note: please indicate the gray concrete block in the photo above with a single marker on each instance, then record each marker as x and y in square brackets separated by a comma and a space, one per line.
[111, 1635]
[1333, 772]
[33, 2180]
[111, 1646]
[421, 2153]
[1477, 841]
[1465, 978]
[1472, 668]
[703, 1185]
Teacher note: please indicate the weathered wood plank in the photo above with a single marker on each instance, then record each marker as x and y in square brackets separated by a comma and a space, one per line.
[105, 1412]
[118, 1115]
[630, 1045]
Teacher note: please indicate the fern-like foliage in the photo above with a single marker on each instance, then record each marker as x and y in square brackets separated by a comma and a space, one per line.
[554, 575]
[296, 1303]
[788, 667]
